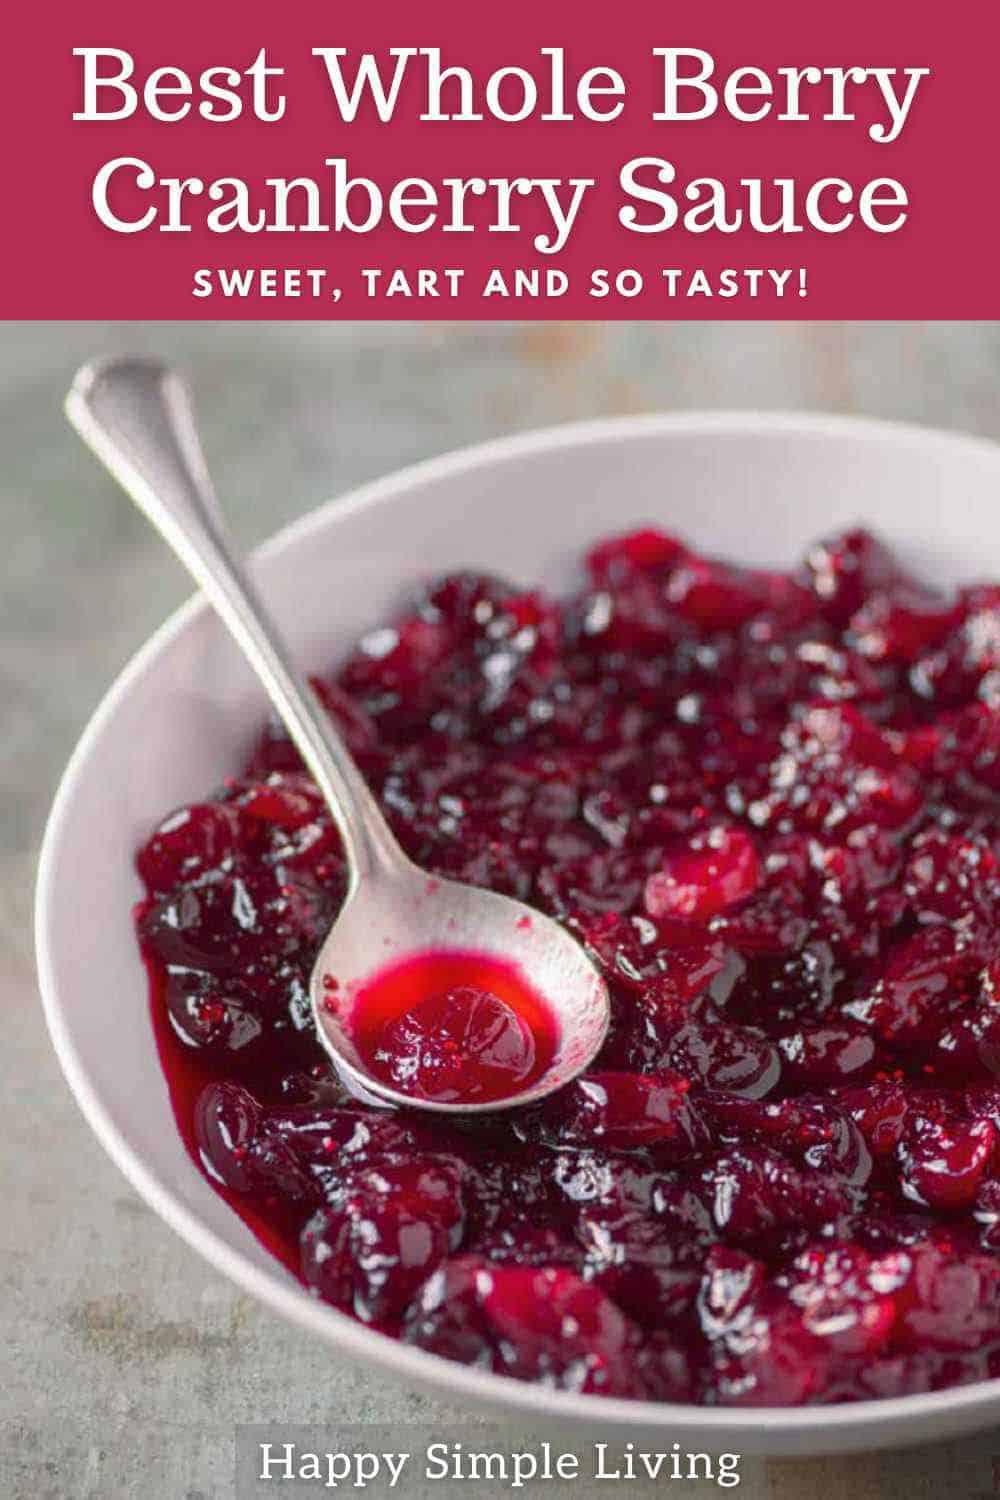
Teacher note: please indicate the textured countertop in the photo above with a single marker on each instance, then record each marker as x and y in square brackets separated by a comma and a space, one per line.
[126, 1362]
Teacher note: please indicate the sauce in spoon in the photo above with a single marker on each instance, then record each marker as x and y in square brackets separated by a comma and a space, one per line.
[454, 1028]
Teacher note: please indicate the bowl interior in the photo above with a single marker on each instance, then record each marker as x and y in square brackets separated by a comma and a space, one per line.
[181, 716]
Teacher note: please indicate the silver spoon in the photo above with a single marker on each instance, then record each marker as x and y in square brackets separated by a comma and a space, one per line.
[136, 415]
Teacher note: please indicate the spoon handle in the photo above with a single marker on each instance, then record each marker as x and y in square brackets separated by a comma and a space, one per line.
[136, 415]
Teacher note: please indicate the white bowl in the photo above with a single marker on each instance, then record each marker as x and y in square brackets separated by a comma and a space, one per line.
[180, 716]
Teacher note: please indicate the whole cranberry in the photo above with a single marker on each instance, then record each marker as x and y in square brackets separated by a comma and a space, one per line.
[550, 1323]
[390, 1228]
[815, 1057]
[239, 1149]
[942, 1163]
[847, 1296]
[726, 1057]
[619, 558]
[776, 1360]
[880, 1111]
[465, 1044]
[844, 570]
[731, 1283]
[898, 624]
[647, 1269]
[918, 980]
[624, 1112]
[188, 845]
[717, 869]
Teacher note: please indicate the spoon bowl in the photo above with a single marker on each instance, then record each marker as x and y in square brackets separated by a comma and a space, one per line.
[136, 415]
[392, 919]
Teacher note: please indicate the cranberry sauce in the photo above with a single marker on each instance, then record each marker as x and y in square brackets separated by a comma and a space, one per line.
[456, 1028]
[769, 804]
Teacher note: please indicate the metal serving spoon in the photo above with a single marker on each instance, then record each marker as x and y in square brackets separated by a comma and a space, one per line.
[136, 415]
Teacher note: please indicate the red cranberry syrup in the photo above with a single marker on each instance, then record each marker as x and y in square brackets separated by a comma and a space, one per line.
[455, 1028]
[769, 803]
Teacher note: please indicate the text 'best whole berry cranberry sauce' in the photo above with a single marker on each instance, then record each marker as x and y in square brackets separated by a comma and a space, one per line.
[454, 1027]
[769, 805]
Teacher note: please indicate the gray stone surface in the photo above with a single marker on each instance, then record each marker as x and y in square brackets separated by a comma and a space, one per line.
[126, 1363]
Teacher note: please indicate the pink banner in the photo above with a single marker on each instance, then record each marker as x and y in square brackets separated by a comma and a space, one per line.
[660, 161]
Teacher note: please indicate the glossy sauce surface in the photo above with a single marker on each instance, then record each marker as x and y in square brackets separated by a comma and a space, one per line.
[769, 804]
